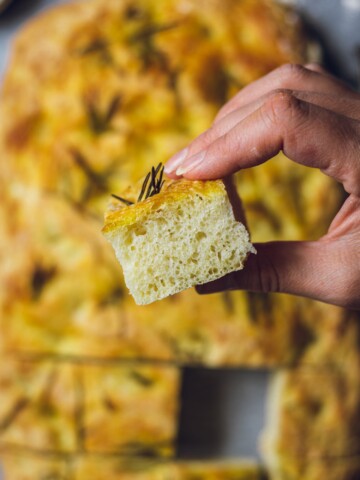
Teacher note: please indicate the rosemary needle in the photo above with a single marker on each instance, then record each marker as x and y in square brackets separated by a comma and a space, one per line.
[143, 187]
[121, 199]
[152, 185]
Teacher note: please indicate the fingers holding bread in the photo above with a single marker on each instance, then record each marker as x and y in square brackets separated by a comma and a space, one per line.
[237, 119]
[308, 134]
[303, 111]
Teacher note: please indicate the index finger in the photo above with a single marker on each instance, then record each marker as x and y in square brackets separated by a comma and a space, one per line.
[306, 133]
[289, 76]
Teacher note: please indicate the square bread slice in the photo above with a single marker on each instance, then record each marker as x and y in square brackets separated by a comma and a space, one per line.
[182, 236]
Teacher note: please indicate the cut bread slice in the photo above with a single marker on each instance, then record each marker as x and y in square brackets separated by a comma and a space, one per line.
[183, 236]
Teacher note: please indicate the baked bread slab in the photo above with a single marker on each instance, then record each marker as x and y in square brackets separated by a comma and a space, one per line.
[32, 466]
[183, 236]
[130, 408]
[313, 417]
[38, 406]
[52, 408]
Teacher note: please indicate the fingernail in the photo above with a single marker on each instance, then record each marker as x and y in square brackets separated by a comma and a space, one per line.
[175, 161]
[191, 163]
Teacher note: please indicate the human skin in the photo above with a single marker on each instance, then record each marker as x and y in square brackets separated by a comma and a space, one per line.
[315, 120]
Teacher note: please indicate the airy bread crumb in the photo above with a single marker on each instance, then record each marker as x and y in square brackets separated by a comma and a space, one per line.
[184, 236]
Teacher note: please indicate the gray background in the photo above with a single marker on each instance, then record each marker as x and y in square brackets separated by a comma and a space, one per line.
[223, 411]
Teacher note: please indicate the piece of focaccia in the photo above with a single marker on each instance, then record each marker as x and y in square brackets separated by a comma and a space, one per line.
[32, 466]
[38, 406]
[313, 418]
[179, 236]
[130, 409]
[54, 408]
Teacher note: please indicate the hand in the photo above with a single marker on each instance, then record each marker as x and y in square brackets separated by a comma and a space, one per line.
[315, 120]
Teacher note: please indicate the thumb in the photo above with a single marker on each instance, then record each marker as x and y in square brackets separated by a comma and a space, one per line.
[307, 269]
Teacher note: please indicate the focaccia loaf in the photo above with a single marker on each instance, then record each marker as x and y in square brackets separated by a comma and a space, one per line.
[183, 236]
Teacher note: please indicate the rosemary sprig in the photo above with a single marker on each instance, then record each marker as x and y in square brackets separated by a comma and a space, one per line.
[40, 277]
[99, 122]
[80, 410]
[259, 307]
[155, 184]
[113, 107]
[123, 200]
[145, 450]
[143, 187]
[94, 177]
[148, 31]
[143, 39]
[96, 45]
[228, 302]
[151, 186]
[141, 379]
[113, 297]
[133, 12]
[10, 417]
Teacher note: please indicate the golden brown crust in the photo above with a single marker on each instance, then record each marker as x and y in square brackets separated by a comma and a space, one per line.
[171, 192]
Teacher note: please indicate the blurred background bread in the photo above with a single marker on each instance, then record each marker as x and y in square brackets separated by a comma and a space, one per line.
[95, 93]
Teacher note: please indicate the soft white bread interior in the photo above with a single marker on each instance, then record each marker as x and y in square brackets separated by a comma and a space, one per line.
[183, 236]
